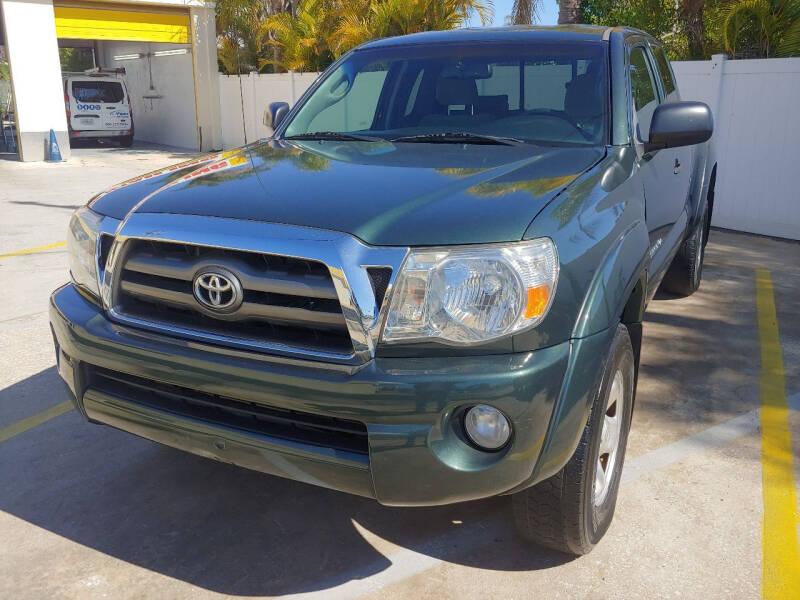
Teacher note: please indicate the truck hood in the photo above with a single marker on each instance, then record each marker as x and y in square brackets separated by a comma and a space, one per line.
[383, 193]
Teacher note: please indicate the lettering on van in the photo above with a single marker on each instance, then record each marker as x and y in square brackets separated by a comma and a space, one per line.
[88, 106]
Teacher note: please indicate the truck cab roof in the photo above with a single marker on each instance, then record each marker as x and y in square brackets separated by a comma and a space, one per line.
[513, 33]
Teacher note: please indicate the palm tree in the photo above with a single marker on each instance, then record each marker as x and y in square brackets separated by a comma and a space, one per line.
[690, 13]
[761, 28]
[525, 12]
[321, 30]
[240, 45]
[363, 20]
[303, 38]
[569, 12]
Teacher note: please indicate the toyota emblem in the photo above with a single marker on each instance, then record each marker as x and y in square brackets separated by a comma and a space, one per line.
[218, 290]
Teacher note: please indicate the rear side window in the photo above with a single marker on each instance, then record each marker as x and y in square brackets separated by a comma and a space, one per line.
[643, 89]
[97, 91]
[664, 71]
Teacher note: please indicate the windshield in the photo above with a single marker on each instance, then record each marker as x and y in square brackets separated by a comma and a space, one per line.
[539, 93]
[97, 91]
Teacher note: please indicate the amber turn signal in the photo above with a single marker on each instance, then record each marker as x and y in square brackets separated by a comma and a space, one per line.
[537, 301]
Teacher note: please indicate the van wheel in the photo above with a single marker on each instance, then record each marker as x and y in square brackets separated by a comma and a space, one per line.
[684, 274]
[126, 141]
[571, 511]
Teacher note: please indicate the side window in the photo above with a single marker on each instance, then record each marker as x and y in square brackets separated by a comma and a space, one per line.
[643, 90]
[664, 71]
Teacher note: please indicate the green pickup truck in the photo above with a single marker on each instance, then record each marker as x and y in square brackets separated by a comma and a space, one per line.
[427, 286]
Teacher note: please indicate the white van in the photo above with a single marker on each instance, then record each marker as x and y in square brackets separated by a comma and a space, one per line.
[98, 106]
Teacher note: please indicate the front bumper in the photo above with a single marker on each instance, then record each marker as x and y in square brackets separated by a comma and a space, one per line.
[410, 407]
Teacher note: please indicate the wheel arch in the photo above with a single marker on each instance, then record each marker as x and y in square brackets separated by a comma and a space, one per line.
[617, 294]
[615, 281]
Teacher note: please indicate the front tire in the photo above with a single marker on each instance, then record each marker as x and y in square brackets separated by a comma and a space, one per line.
[571, 511]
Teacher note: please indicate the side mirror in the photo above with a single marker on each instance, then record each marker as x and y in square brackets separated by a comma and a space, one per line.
[680, 124]
[275, 113]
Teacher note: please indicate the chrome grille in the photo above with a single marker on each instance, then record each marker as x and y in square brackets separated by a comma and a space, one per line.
[287, 301]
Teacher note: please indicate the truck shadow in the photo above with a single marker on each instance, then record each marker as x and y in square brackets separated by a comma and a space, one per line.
[223, 528]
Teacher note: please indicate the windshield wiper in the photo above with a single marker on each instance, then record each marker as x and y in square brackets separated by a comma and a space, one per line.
[334, 136]
[459, 137]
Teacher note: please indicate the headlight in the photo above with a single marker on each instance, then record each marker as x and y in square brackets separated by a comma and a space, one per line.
[84, 228]
[467, 295]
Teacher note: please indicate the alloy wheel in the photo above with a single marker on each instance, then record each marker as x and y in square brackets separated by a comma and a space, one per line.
[610, 434]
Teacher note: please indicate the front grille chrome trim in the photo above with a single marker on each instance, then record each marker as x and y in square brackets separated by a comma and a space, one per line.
[346, 258]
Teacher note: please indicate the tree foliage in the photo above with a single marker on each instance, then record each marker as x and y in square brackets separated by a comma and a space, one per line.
[696, 29]
[76, 60]
[307, 35]
[240, 46]
[324, 29]
[657, 17]
[262, 35]
[758, 28]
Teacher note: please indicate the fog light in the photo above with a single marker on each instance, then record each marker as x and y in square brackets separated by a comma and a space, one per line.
[487, 427]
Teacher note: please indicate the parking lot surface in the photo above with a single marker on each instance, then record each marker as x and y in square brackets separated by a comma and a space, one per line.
[91, 512]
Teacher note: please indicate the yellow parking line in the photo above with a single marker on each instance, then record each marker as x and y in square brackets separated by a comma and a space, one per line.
[779, 543]
[34, 420]
[34, 250]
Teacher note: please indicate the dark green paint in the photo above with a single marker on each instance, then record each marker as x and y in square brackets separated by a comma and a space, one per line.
[382, 193]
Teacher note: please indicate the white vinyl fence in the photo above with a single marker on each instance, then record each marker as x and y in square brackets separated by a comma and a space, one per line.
[253, 93]
[756, 106]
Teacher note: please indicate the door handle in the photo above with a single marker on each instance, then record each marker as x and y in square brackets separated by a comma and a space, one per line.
[677, 167]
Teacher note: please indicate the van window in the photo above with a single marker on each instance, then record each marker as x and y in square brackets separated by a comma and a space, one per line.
[97, 91]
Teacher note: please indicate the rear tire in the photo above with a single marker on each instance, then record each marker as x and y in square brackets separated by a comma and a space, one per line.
[126, 141]
[571, 511]
[686, 271]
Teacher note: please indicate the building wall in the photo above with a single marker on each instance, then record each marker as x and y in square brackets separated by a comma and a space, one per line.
[161, 90]
[188, 85]
[204, 55]
[36, 76]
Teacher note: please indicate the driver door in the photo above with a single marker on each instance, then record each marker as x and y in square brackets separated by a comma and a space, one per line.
[664, 172]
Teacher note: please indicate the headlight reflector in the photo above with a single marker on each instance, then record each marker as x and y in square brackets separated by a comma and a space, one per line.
[84, 229]
[487, 427]
[466, 295]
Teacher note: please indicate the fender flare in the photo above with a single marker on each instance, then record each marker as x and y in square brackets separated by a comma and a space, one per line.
[705, 176]
[623, 268]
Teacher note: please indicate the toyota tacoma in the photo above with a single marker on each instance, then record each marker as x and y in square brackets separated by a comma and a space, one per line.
[425, 287]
